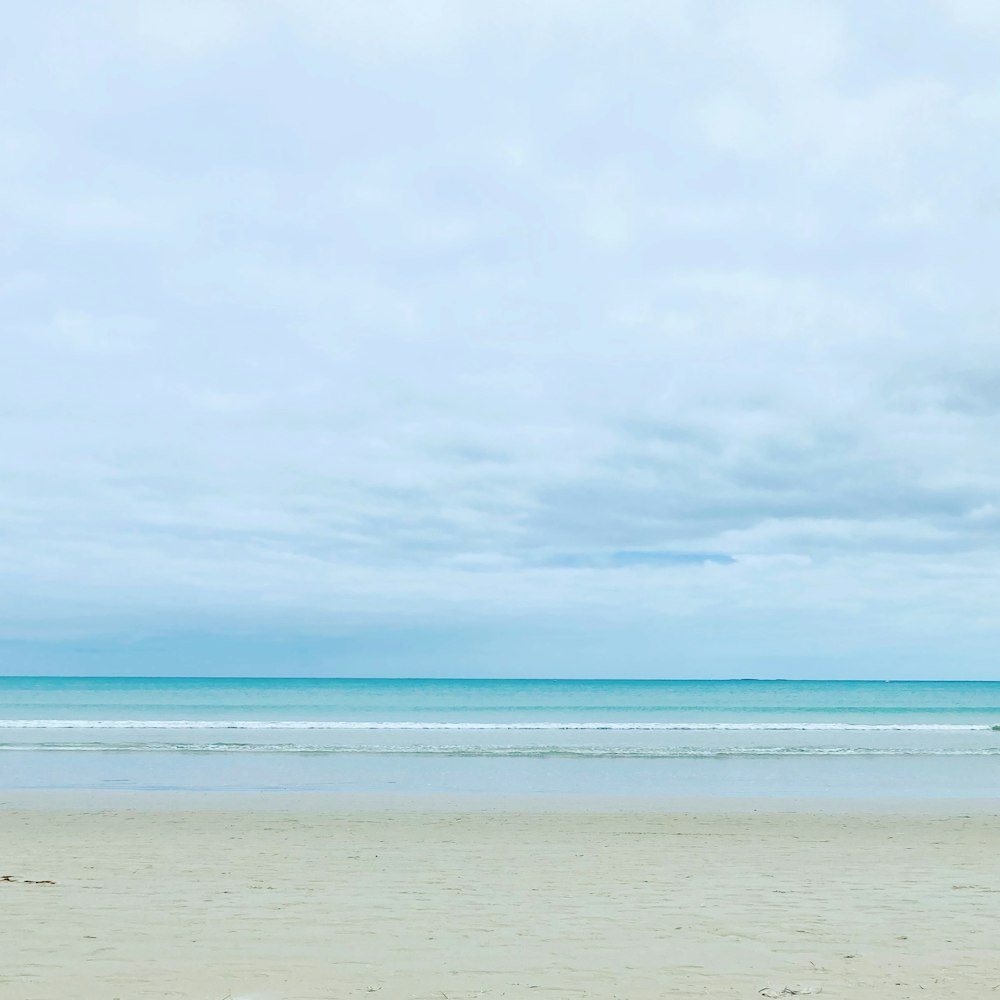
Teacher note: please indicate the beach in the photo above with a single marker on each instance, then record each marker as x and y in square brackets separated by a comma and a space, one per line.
[312, 897]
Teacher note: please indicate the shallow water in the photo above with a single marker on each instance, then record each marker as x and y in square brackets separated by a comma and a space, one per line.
[746, 738]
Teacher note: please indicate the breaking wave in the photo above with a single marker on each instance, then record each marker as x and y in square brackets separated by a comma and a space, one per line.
[650, 753]
[638, 727]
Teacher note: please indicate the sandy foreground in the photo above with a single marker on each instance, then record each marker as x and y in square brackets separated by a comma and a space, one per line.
[333, 900]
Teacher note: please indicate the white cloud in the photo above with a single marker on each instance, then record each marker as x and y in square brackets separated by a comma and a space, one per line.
[793, 42]
[338, 315]
[187, 28]
[979, 15]
[392, 29]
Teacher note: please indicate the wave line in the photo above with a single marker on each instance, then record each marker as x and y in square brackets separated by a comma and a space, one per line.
[313, 724]
[650, 753]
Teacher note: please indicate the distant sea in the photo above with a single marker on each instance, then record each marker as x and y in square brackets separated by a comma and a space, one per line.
[743, 738]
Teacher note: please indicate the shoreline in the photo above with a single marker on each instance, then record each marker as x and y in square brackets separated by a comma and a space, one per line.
[307, 802]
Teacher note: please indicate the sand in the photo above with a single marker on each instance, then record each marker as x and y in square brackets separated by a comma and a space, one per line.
[333, 900]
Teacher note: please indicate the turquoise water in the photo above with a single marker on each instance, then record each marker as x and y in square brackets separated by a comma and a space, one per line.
[747, 738]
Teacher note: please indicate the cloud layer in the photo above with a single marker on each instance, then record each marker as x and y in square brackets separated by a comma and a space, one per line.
[676, 320]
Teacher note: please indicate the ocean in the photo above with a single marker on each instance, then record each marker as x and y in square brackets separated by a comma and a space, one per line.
[745, 738]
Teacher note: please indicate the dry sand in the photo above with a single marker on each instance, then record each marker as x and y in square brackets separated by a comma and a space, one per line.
[318, 902]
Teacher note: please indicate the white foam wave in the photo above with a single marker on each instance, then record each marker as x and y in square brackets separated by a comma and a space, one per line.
[322, 724]
[501, 751]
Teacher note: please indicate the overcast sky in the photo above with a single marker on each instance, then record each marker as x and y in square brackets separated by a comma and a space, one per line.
[562, 337]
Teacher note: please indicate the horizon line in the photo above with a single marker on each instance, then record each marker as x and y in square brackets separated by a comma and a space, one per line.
[547, 680]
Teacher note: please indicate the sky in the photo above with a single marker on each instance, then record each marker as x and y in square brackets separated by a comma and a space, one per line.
[592, 338]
